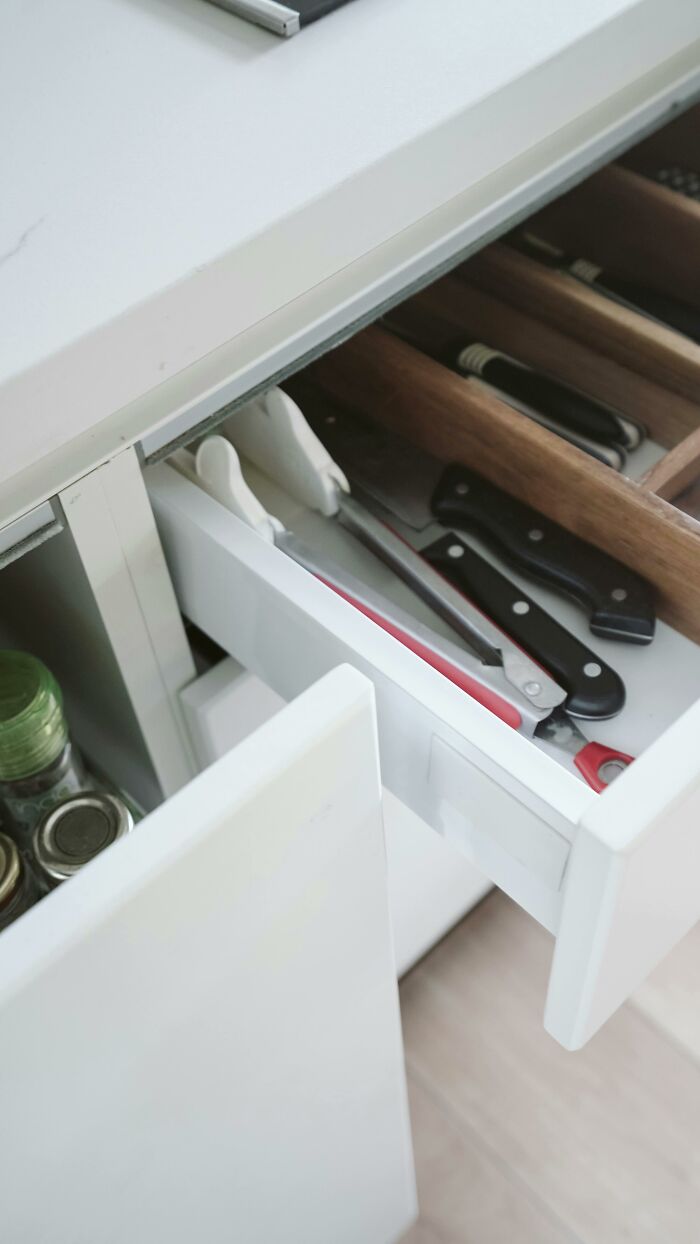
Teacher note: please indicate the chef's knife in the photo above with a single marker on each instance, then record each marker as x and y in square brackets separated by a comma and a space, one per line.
[415, 489]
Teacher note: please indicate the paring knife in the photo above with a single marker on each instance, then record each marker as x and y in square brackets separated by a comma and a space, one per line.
[662, 308]
[536, 713]
[415, 489]
[560, 403]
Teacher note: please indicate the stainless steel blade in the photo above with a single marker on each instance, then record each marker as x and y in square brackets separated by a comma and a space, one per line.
[490, 677]
[489, 643]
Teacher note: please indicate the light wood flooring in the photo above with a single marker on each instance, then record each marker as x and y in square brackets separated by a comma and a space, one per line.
[519, 1142]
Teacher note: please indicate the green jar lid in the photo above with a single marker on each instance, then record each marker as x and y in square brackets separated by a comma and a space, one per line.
[33, 729]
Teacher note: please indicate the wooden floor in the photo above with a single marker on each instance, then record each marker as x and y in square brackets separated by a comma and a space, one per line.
[518, 1142]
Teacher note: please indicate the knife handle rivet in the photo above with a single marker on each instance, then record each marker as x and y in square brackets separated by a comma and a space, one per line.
[619, 593]
[461, 489]
[535, 534]
[592, 669]
[455, 550]
[520, 606]
[532, 688]
[330, 419]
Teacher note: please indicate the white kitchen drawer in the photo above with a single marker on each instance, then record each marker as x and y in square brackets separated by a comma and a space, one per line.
[199, 1034]
[613, 876]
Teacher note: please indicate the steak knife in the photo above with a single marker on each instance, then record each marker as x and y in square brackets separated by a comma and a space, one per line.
[415, 489]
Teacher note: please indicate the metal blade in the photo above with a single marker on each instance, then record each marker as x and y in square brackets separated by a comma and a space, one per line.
[385, 466]
[490, 644]
[490, 677]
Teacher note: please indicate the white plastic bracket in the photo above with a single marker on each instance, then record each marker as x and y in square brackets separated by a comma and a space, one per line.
[272, 432]
[218, 468]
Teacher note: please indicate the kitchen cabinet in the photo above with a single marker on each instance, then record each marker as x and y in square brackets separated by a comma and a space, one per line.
[217, 1003]
[218, 991]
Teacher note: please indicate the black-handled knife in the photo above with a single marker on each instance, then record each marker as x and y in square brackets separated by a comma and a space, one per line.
[663, 308]
[414, 489]
[397, 482]
[593, 688]
[558, 401]
[618, 600]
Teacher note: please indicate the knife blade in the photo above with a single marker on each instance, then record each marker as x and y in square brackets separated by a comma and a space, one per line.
[495, 683]
[416, 489]
[594, 690]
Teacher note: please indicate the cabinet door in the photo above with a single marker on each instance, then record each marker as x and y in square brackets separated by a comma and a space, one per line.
[199, 1034]
[431, 885]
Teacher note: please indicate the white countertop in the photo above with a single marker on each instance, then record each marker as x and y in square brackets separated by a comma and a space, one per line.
[157, 151]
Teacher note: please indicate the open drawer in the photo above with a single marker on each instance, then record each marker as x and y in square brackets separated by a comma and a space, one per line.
[174, 1017]
[612, 876]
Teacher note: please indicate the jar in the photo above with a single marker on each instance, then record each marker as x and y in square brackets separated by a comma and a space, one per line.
[18, 887]
[39, 765]
[75, 831]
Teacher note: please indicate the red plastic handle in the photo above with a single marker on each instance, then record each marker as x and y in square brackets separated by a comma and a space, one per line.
[484, 695]
[591, 759]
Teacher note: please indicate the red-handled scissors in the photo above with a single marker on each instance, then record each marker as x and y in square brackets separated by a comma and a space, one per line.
[598, 765]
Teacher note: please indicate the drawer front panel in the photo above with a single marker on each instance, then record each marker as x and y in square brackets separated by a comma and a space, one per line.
[632, 884]
[181, 1022]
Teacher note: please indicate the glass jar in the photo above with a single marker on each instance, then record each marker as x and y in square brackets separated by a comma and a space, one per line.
[18, 887]
[39, 765]
[75, 831]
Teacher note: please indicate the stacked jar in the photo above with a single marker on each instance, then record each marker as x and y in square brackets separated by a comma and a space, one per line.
[56, 817]
[39, 766]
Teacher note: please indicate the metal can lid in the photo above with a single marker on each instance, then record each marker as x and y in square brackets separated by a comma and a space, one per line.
[77, 829]
[10, 869]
